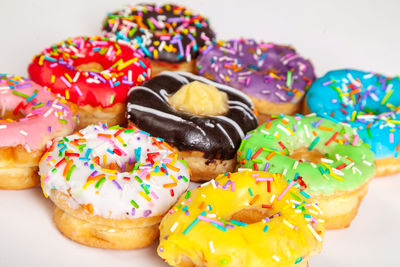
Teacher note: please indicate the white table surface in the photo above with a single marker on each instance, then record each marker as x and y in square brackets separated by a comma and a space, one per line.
[339, 34]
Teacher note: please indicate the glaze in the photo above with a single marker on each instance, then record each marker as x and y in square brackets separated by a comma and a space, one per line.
[216, 136]
[368, 102]
[43, 113]
[262, 70]
[79, 165]
[346, 163]
[167, 32]
[199, 226]
[59, 67]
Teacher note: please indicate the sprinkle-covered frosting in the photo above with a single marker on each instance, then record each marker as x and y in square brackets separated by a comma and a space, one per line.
[368, 102]
[43, 114]
[200, 225]
[167, 32]
[266, 71]
[345, 164]
[218, 137]
[58, 68]
[91, 166]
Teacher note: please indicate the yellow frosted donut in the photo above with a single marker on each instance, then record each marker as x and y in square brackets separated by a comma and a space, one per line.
[246, 218]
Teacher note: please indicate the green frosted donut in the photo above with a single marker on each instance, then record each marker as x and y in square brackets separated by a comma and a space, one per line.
[345, 164]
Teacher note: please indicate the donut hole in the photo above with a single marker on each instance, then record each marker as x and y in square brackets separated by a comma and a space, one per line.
[304, 154]
[90, 66]
[250, 216]
[91, 61]
[271, 70]
[124, 167]
[271, 67]
[11, 115]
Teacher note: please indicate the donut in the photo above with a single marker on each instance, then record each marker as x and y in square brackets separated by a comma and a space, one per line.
[29, 117]
[94, 74]
[170, 35]
[368, 102]
[204, 120]
[245, 218]
[328, 159]
[274, 76]
[111, 186]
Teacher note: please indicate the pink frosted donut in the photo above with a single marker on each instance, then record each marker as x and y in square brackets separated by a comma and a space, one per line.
[29, 117]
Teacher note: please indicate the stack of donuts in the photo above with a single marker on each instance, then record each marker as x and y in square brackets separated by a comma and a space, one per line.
[115, 128]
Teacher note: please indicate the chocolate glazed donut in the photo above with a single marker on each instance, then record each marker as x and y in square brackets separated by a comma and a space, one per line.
[218, 137]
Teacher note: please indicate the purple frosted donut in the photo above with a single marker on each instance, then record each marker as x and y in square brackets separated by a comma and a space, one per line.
[268, 73]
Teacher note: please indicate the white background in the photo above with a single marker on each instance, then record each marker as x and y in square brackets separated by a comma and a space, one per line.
[339, 34]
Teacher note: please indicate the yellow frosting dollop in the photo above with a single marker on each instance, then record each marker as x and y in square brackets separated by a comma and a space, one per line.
[200, 99]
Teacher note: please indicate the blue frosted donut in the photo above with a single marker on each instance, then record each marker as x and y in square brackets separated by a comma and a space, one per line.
[368, 102]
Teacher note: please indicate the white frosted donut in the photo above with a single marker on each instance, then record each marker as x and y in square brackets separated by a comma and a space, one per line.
[89, 172]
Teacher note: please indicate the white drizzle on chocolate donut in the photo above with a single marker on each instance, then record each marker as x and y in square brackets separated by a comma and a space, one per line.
[217, 136]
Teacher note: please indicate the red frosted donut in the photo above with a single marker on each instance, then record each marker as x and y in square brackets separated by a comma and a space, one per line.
[93, 73]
